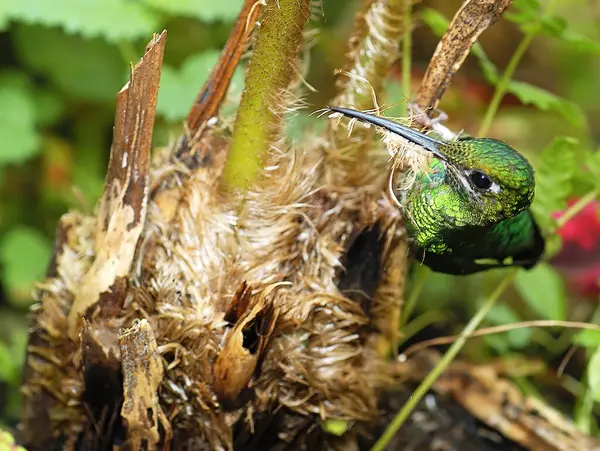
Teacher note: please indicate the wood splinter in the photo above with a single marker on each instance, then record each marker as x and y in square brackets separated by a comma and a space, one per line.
[123, 206]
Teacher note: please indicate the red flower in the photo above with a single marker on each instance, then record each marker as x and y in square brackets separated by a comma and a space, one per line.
[579, 258]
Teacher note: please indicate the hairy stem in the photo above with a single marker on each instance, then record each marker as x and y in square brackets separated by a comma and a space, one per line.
[259, 118]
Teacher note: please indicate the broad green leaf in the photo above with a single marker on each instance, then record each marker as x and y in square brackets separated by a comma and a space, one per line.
[24, 255]
[503, 314]
[7, 442]
[48, 107]
[96, 73]
[113, 20]
[580, 43]
[554, 175]
[179, 87]
[593, 374]
[587, 338]
[205, 10]
[593, 164]
[543, 290]
[12, 351]
[18, 134]
[5, 8]
[528, 14]
[546, 101]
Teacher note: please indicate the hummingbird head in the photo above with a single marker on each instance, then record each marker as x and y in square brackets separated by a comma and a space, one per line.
[475, 181]
[492, 177]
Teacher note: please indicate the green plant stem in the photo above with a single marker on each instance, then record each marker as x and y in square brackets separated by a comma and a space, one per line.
[442, 365]
[407, 54]
[574, 209]
[422, 321]
[260, 114]
[414, 294]
[502, 85]
[515, 59]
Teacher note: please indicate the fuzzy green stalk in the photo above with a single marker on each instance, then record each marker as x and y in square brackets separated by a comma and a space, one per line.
[259, 119]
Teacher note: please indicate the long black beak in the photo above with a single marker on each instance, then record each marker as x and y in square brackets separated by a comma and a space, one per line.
[428, 143]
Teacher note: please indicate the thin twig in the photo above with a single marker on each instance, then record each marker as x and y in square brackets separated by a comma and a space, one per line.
[472, 19]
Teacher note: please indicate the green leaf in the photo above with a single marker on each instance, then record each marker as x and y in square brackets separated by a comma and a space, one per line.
[12, 350]
[593, 374]
[543, 290]
[24, 255]
[95, 74]
[580, 43]
[587, 338]
[528, 15]
[49, 107]
[5, 7]
[503, 314]
[592, 163]
[113, 20]
[18, 134]
[179, 88]
[335, 427]
[435, 20]
[524, 12]
[225, 10]
[554, 175]
[546, 101]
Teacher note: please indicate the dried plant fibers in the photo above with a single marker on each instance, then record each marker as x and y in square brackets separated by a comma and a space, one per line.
[208, 315]
[186, 317]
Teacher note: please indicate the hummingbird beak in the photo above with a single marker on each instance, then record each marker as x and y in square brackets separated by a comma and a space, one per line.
[428, 143]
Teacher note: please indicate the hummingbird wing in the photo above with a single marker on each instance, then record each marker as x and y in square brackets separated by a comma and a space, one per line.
[519, 238]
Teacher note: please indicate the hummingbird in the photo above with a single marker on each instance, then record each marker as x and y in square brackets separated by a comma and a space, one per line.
[469, 212]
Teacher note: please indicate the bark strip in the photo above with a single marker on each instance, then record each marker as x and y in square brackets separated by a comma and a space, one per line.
[472, 19]
[214, 90]
[142, 375]
[123, 206]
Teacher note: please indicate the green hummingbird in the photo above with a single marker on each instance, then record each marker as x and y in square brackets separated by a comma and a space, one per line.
[470, 211]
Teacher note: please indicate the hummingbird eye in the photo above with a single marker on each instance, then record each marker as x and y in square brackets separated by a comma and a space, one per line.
[480, 180]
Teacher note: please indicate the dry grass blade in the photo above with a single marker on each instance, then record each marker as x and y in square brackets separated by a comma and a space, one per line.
[373, 48]
[472, 19]
[123, 206]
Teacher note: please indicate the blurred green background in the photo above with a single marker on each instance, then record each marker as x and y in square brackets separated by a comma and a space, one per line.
[61, 66]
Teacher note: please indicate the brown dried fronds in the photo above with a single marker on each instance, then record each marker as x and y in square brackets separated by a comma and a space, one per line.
[373, 48]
